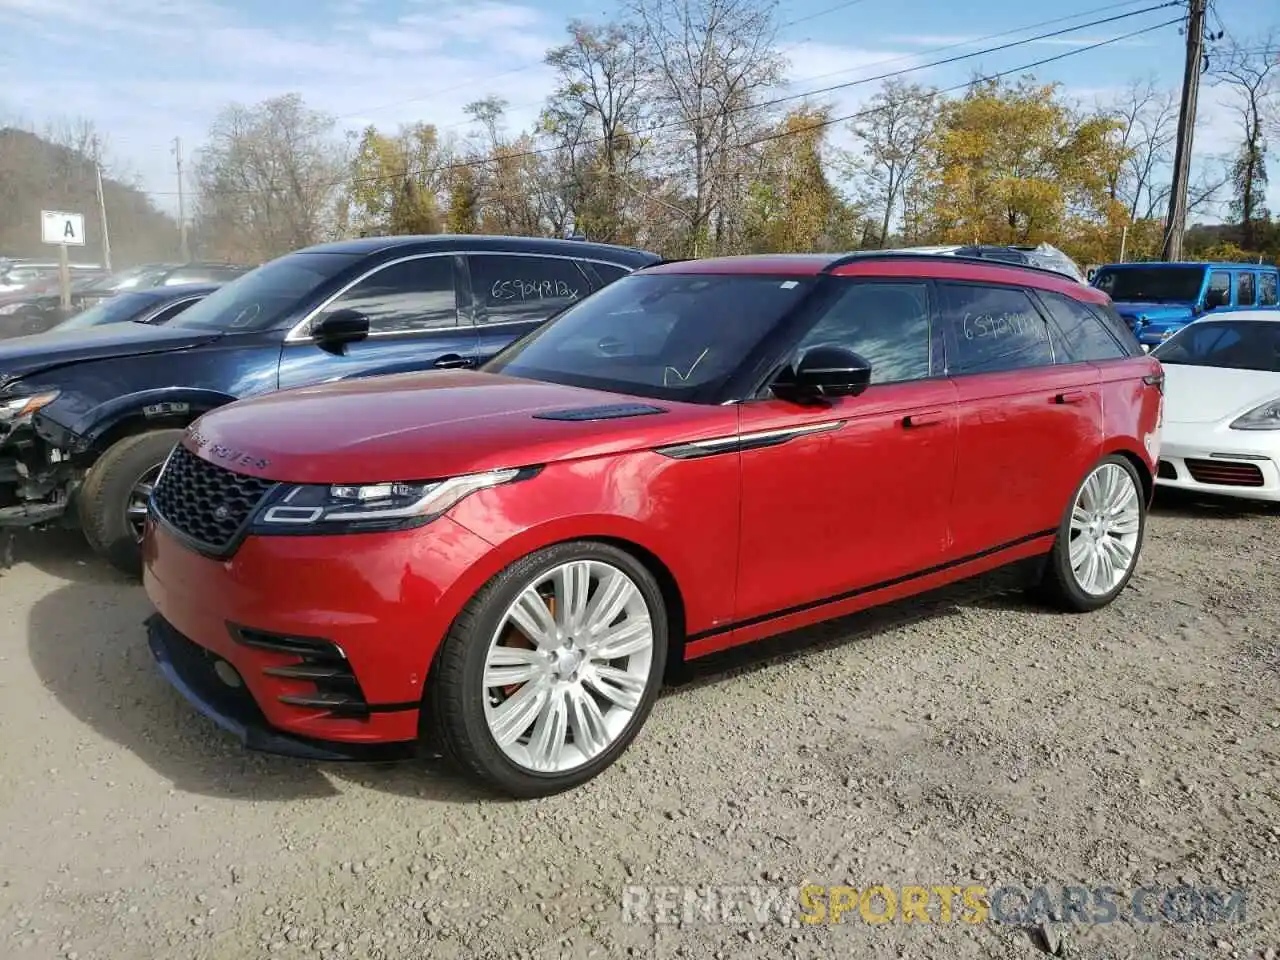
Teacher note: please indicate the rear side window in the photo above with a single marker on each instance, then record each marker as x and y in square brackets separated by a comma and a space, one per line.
[609, 272]
[1081, 334]
[993, 329]
[511, 288]
[1246, 292]
[1268, 294]
[886, 323]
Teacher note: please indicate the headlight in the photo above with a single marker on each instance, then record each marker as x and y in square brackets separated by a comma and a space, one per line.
[315, 508]
[1264, 417]
[18, 407]
[10, 308]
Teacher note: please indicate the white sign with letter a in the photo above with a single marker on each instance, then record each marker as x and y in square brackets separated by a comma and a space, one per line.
[62, 228]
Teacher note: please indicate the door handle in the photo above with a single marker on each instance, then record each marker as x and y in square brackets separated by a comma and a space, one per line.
[452, 361]
[923, 419]
[1071, 396]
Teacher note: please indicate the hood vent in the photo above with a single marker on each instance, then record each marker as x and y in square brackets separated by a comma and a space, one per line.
[612, 412]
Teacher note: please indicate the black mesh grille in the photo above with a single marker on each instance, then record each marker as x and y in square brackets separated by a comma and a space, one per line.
[206, 502]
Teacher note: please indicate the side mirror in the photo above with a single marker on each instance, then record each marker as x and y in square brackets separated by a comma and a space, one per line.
[825, 372]
[339, 328]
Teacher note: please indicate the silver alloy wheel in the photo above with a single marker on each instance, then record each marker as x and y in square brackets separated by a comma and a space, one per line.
[1105, 523]
[135, 511]
[568, 666]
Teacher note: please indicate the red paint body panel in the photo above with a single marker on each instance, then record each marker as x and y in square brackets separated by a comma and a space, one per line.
[916, 485]
[839, 510]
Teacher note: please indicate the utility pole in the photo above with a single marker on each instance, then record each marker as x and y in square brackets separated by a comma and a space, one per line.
[1176, 227]
[102, 208]
[183, 252]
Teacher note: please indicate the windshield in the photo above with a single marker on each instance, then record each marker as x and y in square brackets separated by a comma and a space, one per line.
[665, 336]
[1232, 344]
[117, 309]
[263, 297]
[1150, 284]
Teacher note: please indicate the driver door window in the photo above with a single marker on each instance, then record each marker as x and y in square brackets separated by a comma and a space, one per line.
[406, 297]
[1246, 290]
[1219, 292]
[888, 324]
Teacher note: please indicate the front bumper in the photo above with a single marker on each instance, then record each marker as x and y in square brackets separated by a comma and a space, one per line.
[1215, 460]
[331, 636]
[36, 481]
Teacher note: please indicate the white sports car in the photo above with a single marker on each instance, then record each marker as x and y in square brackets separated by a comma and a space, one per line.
[1221, 431]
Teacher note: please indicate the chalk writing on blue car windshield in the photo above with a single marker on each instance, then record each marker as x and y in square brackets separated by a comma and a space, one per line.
[998, 326]
[531, 290]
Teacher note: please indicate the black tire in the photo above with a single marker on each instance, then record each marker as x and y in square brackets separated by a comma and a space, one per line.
[1059, 586]
[454, 708]
[104, 496]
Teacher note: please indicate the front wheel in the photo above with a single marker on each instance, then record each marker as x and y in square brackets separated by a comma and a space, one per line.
[1099, 539]
[551, 670]
[113, 498]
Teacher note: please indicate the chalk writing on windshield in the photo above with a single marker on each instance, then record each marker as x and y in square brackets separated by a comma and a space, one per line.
[506, 290]
[997, 326]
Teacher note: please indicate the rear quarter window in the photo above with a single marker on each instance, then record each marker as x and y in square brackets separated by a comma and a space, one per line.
[1081, 335]
[1269, 290]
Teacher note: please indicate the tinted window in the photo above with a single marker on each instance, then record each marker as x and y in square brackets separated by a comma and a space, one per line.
[887, 323]
[677, 337]
[509, 288]
[993, 329]
[1246, 292]
[609, 272]
[264, 297]
[1268, 295]
[1150, 284]
[1082, 336]
[1219, 292]
[411, 295]
[1235, 344]
[171, 311]
[117, 309]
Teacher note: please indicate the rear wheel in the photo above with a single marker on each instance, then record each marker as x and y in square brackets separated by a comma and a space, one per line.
[550, 671]
[1099, 539]
[113, 498]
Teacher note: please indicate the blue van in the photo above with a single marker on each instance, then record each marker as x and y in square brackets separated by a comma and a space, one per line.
[1159, 299]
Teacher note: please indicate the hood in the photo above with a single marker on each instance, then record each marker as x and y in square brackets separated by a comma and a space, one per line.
[23, 356]
[1154, 312]
[1214, 394]
[424, 426]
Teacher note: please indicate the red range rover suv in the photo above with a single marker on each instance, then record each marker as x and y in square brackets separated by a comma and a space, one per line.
[701, 454]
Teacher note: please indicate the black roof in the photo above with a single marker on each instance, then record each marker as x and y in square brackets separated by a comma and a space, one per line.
[629, 256]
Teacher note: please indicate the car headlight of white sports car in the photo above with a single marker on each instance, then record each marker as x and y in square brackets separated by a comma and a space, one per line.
[1265, 416]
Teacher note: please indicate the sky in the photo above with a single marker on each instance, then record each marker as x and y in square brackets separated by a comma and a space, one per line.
[149, 71]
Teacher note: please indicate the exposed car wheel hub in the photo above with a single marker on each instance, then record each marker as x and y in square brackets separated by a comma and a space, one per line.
[568, 666]
[136, 508]
[1105, 524]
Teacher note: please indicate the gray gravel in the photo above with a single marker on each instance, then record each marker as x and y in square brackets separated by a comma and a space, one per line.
[990, 743]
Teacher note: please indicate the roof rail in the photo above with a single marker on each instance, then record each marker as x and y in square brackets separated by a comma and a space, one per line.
[860, 255]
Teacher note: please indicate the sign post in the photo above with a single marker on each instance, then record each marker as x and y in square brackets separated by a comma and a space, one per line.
[62, 230]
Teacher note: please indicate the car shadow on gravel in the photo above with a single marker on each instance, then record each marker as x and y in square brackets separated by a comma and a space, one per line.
[57, 551]
[87, 644]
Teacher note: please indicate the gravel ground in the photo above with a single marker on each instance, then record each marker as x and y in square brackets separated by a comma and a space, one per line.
[987, 743]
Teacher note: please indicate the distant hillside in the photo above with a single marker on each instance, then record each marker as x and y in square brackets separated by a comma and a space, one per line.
[38, 175]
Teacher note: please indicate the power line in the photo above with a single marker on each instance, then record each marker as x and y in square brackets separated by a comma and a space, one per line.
[1105, 8]
[964, 86]
[542, 151]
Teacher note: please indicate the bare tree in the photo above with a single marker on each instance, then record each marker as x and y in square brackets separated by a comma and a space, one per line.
[707, 64]
[892, 136]
[594, 115]
[1251, 75]
[1148, 119]
[267, 179]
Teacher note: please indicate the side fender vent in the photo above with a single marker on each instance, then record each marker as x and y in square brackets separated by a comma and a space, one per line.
[614, 412]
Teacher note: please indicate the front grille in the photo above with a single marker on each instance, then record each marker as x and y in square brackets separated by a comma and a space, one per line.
[320, 663]
[1167, 471]
[1223, 473]
[206, 502]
